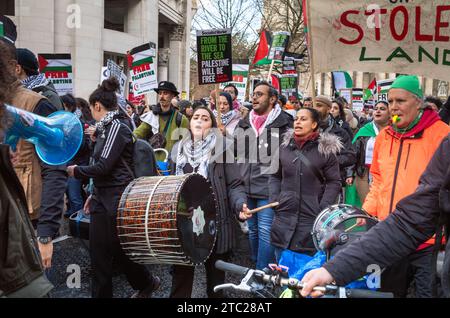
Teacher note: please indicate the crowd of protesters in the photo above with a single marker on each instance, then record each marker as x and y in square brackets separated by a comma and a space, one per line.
[322, 149]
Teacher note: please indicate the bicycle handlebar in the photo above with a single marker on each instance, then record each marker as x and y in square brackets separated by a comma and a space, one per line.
[294, 283]
[232, 268]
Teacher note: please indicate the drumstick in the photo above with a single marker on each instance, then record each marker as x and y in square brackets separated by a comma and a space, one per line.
[353, 226]
[270, 205]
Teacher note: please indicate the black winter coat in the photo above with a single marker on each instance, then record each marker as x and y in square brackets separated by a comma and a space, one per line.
[255, 157]
[413, 222]
[347, 156]
[302, 196]
[112, 148]
[21, 271]
[230, 195]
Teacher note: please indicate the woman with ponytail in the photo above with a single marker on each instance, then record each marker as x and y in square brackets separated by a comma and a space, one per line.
[111, 173]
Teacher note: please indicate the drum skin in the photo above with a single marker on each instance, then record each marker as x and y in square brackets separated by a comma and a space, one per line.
[168, 220]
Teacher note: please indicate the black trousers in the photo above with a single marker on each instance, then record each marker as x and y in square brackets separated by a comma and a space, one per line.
[105, 246]
[183, 278]
[416, 268]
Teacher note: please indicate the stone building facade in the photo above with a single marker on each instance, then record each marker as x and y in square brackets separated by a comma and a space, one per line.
[95, 30]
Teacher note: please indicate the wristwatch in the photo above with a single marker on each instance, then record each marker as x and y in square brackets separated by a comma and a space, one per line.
[44, 239]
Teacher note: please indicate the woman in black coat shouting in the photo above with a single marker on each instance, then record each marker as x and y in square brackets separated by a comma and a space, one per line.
[204, 151]
[306, 182]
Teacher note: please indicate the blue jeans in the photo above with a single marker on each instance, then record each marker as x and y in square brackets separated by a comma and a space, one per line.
[74, 194]
[259, 227]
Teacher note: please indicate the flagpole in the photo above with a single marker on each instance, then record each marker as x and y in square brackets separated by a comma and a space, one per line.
[270, 70]
[310, 50]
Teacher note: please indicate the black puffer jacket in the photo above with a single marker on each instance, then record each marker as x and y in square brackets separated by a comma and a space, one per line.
[300, 193]
[112, 148]
[257, 153]
[413, 222]
[347, 156]
[229, 190]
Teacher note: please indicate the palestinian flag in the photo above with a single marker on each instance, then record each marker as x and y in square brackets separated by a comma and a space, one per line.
[276, 82]
[58, 70]
[371, 90]
[341, 80]
[263, 49]
[383, 88]
[141, 55]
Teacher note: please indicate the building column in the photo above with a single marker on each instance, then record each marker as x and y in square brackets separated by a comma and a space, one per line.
[163, 64]
[176, 64]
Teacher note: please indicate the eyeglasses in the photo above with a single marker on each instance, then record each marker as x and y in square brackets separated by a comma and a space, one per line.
[258, 94]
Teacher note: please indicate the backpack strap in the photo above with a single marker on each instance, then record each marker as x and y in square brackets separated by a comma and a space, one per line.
[179, 119]
[121, 158]
[310, 166]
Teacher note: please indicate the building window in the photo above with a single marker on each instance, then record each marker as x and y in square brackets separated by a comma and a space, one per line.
[7, 7]
[119, 59]
[116, 14]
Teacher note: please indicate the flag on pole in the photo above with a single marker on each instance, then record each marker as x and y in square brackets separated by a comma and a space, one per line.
[342, 80]
[383, 88]
[263, 49]
[371, 90]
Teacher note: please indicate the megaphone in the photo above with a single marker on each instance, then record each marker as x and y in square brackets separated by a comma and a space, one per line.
[57, 138]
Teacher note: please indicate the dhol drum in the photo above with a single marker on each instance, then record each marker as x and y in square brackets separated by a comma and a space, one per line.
[168, 220]
[339, 224]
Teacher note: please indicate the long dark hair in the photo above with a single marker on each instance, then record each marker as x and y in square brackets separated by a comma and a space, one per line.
[83, 105]
[8, 82]
[341, 108]
[69, 102]
[105, 94]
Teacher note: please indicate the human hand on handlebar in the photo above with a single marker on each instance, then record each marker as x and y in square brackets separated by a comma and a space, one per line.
[314, 278]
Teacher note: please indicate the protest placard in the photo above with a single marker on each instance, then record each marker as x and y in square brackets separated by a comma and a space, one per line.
[58, 70]
[143, 68]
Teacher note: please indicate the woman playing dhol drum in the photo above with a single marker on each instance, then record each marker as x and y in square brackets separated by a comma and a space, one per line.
[204, 152]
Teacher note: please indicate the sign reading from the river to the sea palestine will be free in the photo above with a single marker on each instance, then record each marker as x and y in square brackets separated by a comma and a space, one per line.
[214, 56]
[407, 37]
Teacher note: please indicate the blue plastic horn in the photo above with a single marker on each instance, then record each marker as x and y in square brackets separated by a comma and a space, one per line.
[57, 138]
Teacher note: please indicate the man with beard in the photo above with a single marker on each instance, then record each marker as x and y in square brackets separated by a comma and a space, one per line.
[263, 128]
[347, 156]
[159, 124]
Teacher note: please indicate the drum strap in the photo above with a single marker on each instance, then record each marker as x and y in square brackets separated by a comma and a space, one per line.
[310, 166]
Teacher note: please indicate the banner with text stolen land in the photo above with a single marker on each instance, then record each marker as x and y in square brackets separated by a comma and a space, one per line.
[408, 37]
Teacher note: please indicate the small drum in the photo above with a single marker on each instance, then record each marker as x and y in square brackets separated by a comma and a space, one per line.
[337, 225]
[168, 220]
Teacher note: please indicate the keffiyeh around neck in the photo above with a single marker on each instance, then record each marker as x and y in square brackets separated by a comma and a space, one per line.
[35, 81]
[100, 126]
[259, 122]
[226, 118]
[196, 153]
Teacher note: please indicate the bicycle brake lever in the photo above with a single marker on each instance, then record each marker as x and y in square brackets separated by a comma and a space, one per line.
[224, 286]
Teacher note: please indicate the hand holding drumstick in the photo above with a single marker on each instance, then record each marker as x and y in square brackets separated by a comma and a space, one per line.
[246, 214]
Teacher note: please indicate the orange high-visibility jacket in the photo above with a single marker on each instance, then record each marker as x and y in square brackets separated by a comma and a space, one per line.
[397, 166]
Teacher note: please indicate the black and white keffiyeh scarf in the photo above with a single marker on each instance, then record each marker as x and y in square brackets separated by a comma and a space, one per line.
[226, 118]
[109, 117]
[35, 81]
[196, 153]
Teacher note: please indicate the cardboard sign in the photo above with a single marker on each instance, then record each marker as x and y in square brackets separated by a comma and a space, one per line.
[278, 46]
[143, 68]
[289, 85]
[240, 77]
[214, 56]
[58, 70]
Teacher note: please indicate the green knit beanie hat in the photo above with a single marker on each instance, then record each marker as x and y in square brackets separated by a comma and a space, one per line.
[409, 83]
